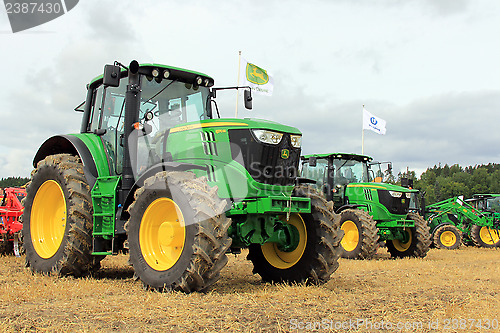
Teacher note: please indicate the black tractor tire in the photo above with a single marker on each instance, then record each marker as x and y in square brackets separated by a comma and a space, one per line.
[318, 253]
[177, 233]
[447, 237]
[484, 236]
[360, 234]
[419, 243]
[52, 246]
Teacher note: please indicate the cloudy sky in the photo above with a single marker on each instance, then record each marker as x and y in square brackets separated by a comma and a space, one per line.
[430, 68]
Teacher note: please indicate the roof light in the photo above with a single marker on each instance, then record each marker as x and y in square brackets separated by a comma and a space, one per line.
[198, 80]
[207, 82]
[166, 73]
[155, 72]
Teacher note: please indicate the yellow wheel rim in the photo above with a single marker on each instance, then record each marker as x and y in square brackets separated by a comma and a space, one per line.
[48, 219]
[400, 246]
[284, 260]
[489, 236]
[351, 236]
[162, 234]
[448, 238]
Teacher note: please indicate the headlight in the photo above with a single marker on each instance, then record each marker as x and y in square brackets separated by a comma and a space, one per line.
[296, 141]
[268, 136]
[408, 195]
[395, 194]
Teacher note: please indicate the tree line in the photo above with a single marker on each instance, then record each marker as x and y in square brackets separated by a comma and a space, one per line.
[444, 182]
[13, 181]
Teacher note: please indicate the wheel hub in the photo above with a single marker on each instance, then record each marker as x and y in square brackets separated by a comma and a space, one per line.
[162, 234]
[170, 234]
[351, 236]
[489, 236]
[448, 238]
[48, 219]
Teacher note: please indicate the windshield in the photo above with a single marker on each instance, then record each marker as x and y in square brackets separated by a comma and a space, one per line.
[317, 173]
[349, 171]
[493, 204]
[174, 102]
[380, 172]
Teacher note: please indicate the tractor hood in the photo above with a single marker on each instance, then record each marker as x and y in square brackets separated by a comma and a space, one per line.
[382, 186]
[232, 123]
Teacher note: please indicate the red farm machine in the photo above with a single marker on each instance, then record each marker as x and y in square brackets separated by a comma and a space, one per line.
[11, 210]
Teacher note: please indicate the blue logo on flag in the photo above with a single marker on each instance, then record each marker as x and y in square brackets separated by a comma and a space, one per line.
[373, 121]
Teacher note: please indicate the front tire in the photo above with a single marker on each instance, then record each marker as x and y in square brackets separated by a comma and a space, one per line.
[447, 237]
[419, 240]
[360, 234]
[177, 233]
[57, 219]
[316, 256]
[484, 236]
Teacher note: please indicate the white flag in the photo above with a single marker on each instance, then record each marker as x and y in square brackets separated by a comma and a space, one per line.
[373, 123]
[258, 79]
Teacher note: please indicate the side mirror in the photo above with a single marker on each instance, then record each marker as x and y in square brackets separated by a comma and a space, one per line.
[312, 161]
[111, 77]
[248, 98]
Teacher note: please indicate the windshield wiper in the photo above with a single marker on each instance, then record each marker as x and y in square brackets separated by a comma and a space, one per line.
[159, 92]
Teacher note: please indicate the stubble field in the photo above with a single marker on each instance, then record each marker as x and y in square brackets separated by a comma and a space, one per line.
[448, 291]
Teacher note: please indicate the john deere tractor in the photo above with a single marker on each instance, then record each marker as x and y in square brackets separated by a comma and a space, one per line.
[154, 173]
[475, 221]
[371, 211]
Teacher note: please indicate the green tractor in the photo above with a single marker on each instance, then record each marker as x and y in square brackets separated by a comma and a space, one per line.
[473, 221]
[371, 211]
[155, 174]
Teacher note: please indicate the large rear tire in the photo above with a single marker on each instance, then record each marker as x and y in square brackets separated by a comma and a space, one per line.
[419, 240]
[484, 236]
[447, 237]
[177, 233]
[316, 256]
[57, 219]
[360, 234]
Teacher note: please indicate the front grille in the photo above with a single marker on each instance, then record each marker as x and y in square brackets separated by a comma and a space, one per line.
[398, 206]
[264, 161]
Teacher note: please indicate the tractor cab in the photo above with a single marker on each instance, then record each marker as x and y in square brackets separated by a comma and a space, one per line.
[166, 98]
[488, 204]
[332, 172]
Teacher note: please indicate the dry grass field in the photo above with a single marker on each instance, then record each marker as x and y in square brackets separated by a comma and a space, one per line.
[448, 291]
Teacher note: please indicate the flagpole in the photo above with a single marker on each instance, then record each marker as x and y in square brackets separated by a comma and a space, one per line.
[238, 83]
[362, 134]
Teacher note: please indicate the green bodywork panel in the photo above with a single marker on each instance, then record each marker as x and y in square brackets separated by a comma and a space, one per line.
[230, 176]
[96, 148]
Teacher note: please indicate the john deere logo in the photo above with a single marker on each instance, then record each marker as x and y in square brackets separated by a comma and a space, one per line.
[285, 153]
[256, 74]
